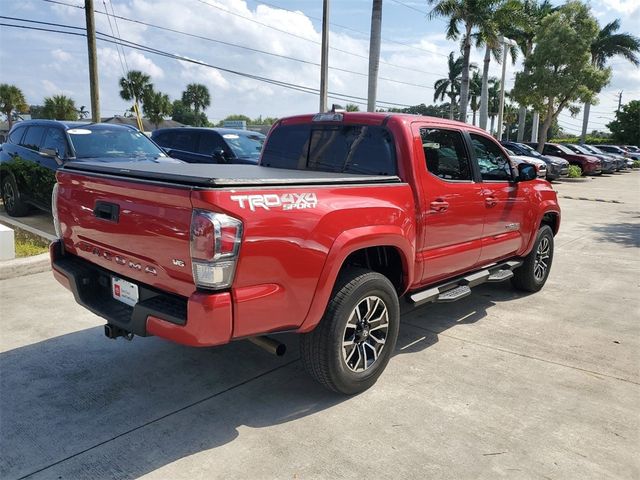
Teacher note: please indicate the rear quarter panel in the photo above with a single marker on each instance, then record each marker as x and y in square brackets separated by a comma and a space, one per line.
[287, 256]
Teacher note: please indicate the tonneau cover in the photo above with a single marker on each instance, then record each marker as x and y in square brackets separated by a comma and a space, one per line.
[220, 175]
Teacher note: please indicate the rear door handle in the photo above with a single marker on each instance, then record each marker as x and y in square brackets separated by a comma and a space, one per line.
[491, 201]
[439, 205]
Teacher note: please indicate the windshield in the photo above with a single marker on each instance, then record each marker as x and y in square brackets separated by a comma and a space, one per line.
[94, 141]
[529, 150]
[245, 145]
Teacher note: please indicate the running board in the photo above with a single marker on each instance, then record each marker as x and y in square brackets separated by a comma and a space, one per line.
[461, 287]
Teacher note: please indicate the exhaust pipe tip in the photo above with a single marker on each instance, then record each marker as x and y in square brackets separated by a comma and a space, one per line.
[269, 344]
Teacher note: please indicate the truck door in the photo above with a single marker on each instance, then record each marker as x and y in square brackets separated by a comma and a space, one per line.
[505, 201]
[452, 204]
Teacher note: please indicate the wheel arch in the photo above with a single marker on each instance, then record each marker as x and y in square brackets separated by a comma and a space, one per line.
[383, 249]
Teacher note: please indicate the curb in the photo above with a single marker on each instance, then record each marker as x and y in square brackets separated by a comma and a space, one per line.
[24, 266]
[570, 180]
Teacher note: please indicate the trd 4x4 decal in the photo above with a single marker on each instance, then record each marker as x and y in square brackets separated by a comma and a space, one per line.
[286, 201]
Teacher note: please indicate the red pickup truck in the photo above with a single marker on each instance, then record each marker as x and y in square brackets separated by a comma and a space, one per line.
[346, 214]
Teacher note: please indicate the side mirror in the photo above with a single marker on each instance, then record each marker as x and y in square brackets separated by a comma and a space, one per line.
[51, 153]
[168, 151]
[526, 172]
[219, 156]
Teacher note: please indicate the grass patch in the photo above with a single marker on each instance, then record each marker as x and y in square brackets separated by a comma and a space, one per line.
[28, 244]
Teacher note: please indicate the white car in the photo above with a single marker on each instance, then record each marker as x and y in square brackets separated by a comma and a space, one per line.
[541, 166]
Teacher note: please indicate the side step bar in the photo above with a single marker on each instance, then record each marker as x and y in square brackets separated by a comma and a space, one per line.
[460, 287]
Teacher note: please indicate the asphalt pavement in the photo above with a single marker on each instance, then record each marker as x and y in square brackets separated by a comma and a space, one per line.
[497, 385]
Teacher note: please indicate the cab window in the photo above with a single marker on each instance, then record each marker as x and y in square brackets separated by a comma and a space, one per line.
[16, 135]
[494, 164]
[445, 155]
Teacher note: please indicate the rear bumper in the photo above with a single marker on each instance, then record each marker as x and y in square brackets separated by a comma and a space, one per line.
[200, 320]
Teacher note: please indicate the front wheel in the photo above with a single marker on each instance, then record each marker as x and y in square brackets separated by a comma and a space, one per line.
[352, 344]
[533, 274]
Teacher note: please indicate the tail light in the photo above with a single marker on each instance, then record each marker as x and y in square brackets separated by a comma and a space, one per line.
[215, 243]
[54, 210]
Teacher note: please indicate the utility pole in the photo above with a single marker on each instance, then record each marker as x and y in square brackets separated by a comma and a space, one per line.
[374, 54]
[619, 101]
[324, 57]
[93, 61]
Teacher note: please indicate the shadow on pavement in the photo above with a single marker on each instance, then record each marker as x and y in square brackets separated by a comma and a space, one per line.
[149, 403]
[626, 234]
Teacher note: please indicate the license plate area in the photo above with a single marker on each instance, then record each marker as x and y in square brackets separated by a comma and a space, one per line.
[124, 291]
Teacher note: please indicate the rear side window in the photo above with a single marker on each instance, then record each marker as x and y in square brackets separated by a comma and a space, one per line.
[445, 154]
[16, 135]
[494, 165]
[332, 148]
[163, 139]
[55, 140]
[33, 137]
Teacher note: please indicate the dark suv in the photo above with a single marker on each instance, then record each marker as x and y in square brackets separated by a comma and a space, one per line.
[210, 145]
[35, 149]
[557, 167]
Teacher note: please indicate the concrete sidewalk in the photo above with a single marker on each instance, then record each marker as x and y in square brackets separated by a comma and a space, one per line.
[498, 385]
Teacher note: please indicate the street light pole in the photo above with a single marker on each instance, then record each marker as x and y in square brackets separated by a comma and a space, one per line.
[324, 57]
[374, 54]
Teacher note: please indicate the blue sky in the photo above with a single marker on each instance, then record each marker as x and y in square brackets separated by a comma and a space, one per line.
[414, 53]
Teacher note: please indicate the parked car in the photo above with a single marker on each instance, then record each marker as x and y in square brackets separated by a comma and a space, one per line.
[346, 214]
[608, 164]
[210, 145]
[619, 151]
[36, 149]
[556, 167]
[621, 162]
[588, 164]
[540, 165]
[630, 152]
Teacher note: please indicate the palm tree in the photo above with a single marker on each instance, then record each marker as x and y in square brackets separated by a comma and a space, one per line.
[475, 90]
[352, 107]
[11, 100]
[510, 117]
[82, 113]
[606, 45]
[500, 16]
[157, 106]
[494, 100]
[533, 11]
[449, 86]
[470, 14]
[135, 86]
[197, 96]
[60, 107]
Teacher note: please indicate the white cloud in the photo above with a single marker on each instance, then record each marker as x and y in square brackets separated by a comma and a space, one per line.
[625, 7]
[109, 62]
[61, 55]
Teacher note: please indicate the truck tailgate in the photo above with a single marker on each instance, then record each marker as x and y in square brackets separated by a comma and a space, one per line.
[136, 230]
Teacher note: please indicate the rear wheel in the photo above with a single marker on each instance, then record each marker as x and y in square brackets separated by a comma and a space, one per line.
[533, 273]
[12, 199]
[352, 344]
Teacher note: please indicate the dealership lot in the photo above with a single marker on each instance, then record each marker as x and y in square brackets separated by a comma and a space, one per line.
[496, 385]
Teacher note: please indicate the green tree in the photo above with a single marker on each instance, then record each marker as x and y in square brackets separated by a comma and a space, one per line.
[468, 14]
[625, 128]
[196, 96]
[134, 86]
[60, 107]
[559, 72]
[605, 46]
[184, 114]
[157, 107]
[449, 86]
[12, 101]
[352, 107]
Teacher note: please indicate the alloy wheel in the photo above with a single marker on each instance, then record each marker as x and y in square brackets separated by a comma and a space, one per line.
[541, 263]
[365, 334]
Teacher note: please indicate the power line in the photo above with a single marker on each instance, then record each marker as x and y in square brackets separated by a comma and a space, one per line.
[410, 7]
[201, 37]
[113, 40]
[352, 29]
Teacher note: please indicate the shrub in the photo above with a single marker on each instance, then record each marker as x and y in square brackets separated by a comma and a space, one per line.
[636, 164]
[574, 171]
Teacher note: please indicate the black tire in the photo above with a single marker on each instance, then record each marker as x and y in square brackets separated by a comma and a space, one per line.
[323, 351]
[11, 198]
[528, 277]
